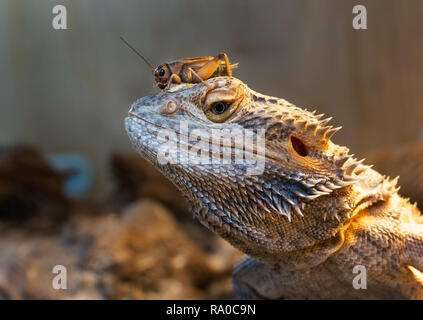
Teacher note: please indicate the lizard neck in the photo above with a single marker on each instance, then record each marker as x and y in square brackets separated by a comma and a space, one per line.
[303, 241]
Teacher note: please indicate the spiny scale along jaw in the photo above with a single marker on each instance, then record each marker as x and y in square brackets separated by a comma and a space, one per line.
[251, 204]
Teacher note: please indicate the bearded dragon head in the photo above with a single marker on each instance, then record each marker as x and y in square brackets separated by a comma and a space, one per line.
[257, 170]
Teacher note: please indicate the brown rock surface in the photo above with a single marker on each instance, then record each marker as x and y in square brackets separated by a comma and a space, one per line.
[136, 178]
[151, 257]
[141, 254]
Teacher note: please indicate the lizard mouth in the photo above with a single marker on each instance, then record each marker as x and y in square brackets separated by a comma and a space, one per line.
[133, 115]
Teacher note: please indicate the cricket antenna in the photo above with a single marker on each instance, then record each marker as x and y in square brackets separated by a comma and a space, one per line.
[138, 54]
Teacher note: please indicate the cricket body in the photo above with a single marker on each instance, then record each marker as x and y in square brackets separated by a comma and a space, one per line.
[188, 70]
[192, 70]
[317, 223]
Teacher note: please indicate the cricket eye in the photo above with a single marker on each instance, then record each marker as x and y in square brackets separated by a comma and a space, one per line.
[219, 107]
[162, 72]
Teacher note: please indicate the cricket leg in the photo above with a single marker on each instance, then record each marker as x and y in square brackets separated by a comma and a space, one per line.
[210, 67]
[174, 78]
[191, 76]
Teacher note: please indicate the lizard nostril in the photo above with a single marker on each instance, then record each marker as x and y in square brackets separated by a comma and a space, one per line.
[299, 146]
[169, 108]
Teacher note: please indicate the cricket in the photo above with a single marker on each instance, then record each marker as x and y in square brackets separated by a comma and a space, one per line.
[188, 70]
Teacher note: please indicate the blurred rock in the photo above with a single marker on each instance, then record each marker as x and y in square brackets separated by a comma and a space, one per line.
[26, 265]
[150, 257]
[142, 254]
[136, 178]
[405, 161]
[30, 190]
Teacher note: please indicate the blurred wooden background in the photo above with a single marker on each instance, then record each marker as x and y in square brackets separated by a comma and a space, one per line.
[69, 90]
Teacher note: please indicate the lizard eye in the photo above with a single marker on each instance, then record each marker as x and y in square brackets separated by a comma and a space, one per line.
[221, 103]
[219, 107]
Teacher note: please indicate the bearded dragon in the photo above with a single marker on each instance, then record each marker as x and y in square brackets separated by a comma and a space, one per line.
[312, 220]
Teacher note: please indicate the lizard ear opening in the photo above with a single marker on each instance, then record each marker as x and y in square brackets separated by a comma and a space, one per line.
[299, 146]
